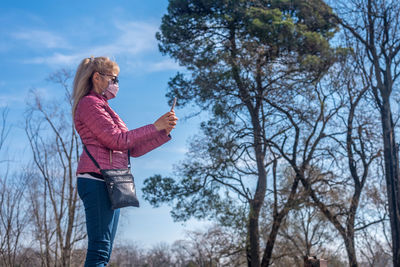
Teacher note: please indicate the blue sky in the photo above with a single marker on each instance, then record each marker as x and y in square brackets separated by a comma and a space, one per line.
[38, 38]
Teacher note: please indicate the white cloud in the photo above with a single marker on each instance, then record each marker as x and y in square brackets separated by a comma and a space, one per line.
[135, 43]
[41, 38]
[142, 66]
[57, 59]
[167, 64]
[134, 39]
[177, 150]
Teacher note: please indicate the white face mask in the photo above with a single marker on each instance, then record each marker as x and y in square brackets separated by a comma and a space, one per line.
[111, 90]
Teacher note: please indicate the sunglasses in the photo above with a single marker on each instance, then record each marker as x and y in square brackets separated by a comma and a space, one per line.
[114, 79]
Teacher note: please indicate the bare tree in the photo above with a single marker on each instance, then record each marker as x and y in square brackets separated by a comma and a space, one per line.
[127, 253]
[5, 128]
[236, 53]
[374, 242]
[332, 173]
[373, 251]
[305, 231]
[374, 25]
[130, 254]
[215, 246]
[13, 218]
[13, 215]
[57, 211]
[159, 255]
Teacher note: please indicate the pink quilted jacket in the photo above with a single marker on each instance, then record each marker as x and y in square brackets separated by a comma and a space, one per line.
[107, 138]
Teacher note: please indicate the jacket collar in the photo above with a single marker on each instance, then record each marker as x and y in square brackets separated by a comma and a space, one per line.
[92, 92]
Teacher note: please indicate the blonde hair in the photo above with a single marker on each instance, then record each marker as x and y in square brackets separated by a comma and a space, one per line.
[83, 77]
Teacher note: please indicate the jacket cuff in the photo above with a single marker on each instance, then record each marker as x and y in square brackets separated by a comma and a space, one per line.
[164, 137]
[162, 134]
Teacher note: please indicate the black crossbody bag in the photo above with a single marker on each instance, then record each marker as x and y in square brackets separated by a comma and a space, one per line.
[120, 184]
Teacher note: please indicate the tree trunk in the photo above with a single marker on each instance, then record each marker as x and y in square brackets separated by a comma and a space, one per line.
[350, 248]
[66, 257]
[349, 234]
[392, 176]
[254, 243]
[257, 202]
[278, 218]
[253, 252]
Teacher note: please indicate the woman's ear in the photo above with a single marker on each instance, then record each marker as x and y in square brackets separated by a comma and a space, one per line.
[96, 76]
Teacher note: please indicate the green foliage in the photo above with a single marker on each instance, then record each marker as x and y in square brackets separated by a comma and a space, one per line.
[192, 199]
[234, 51]
[158, 189]
[208, 37]
[196, 193]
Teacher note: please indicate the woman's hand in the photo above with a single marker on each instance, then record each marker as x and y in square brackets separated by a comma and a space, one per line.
[166, 122]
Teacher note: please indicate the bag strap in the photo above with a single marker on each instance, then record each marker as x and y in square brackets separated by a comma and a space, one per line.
[129, 158]
[97, 164]
[91, 157]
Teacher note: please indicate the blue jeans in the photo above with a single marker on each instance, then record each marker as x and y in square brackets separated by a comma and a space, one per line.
[101, 221]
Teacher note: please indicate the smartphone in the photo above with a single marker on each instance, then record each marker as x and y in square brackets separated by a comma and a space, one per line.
[173, 104]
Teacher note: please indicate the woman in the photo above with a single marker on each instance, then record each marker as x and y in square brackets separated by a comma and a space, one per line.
[107, 139]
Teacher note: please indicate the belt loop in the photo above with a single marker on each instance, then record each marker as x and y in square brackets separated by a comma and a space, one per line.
[110, 157]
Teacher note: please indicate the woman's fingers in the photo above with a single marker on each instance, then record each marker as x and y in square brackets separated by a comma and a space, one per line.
[166, 121]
